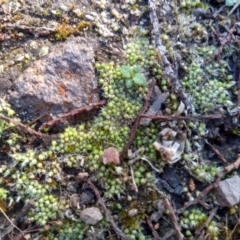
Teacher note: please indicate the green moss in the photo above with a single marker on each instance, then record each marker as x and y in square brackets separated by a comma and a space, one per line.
[45, 12]
[63, 31]
[194, 219]
[3, 194]
[67, 230]
[83, 25]
[207, 85]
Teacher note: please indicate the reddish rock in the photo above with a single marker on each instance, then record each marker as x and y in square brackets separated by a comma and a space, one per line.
[63, 81]
[111, 155]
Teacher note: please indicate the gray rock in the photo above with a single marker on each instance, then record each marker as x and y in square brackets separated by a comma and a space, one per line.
[91, 215]
[228, 192]
[63, 81]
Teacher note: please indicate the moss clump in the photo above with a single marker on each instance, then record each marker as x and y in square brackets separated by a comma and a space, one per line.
[83, 25]
[188, 5]
[134, 213]
[63, 31]
[5, 109]
[67, 230]
[3, 194]
[207, 85]
[194, 219]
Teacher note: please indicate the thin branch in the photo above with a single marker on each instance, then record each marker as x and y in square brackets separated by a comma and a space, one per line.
[220, 156]
[179, 118]
[167, 66]
[21, 214]
[200, 196]
[168, 234]
[234, 229]
[216, 34]
[173, 217]
[138, 118]
[21, 235]
[107, 213]
[30, 230]
[73, 113]
[22, 126]
[154, 232]
[222, 173]
[133, 180]
[234, 8]
[231, 167]
[11, 222]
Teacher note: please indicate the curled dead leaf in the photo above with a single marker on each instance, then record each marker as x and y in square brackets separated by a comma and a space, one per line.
[169, 146]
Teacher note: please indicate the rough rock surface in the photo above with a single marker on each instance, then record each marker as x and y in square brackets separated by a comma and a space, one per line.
[59, 83]
[91, 215]
[228, 192]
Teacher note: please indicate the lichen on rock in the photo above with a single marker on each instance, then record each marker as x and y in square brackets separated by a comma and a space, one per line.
[63, 81]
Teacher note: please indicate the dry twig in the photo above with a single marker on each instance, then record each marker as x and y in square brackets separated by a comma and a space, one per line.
[107, 213]
[173, 217]
[73, 113]
[213, 185]
[230, 237]
[218, 52]
[21, 214]
[138, 118]
[199, 197]
[168, 234]
[11, 227]
[220, 156]
[154, 232]
[21, 235]
[135, 188]
[22, 126]
[167, 66]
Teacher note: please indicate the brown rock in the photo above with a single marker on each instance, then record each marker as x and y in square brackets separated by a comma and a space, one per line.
[111, 155]
[91, 215]
[57, 84]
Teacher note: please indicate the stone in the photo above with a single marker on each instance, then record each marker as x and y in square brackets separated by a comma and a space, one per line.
[111, 155]
[58, 83]
[82, 177]
[228, 192]
[171, 176]
[91, 215]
